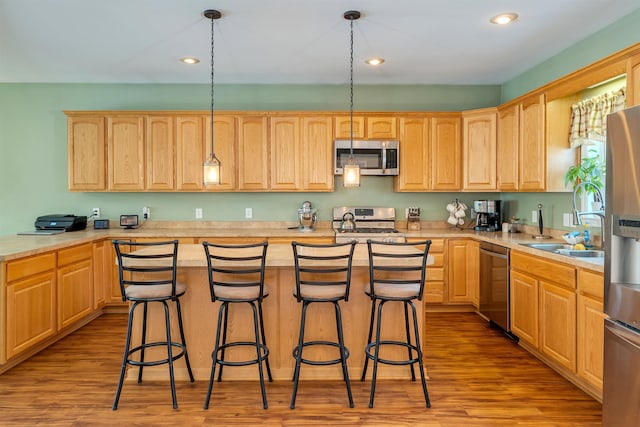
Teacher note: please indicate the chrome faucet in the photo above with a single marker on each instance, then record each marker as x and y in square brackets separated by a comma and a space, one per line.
[577, 214]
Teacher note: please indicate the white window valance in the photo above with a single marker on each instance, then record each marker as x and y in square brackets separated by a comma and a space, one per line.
[589, 117]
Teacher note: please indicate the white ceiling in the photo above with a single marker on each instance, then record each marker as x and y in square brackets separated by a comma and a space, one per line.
[289, 41]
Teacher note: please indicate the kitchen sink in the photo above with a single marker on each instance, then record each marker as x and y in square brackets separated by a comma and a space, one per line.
[549, 247]
[567, 250]
[581, 254]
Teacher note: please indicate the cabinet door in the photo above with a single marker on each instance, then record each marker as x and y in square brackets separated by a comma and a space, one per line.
[524, 307]
[86, 153]
[415, 162]
[381, 128]
[532, 161]
[189, 153]
[473, 271]
[558, 324]
[101, 272]
[285, 153]
[75, 292]
[253, 153]
[161, 151]
[224, 144]
[633, 81]
[31, 314]
[343, 127]
[458, 283]
[125, 142]
[317, 153]
[446, 159]
[479, 149]
[508, 152]
[590, 340]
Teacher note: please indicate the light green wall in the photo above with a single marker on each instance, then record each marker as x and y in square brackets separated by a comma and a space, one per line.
[33, 153]
[617, 36]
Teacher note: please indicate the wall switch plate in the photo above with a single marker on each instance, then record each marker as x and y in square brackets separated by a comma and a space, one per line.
[95, 212]
[248, 213]
[534, 216]
[198, 213]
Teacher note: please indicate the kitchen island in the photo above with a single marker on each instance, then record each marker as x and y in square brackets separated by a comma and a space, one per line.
[281, 317]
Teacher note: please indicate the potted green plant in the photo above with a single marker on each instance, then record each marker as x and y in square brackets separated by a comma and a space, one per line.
[591, 169]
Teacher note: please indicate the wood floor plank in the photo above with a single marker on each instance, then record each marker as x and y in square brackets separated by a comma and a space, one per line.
[477, 377]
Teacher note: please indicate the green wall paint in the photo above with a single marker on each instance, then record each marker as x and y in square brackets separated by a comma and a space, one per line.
[617, 36]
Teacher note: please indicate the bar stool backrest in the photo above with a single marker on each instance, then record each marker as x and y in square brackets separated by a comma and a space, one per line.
[397, 268]
[146, 264]
[325, 266]
[240, 267]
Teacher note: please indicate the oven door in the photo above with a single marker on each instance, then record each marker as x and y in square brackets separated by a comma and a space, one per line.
[621, 394]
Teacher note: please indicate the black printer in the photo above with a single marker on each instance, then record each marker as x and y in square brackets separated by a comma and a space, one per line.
[61, 222]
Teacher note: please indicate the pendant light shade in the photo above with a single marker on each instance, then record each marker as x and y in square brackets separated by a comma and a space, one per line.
[211, 167]
[351, 169]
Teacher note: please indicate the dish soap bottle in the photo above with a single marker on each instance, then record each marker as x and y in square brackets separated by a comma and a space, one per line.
[587, 240]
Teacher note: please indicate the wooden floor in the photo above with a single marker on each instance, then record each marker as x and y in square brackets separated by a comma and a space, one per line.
[477, 378]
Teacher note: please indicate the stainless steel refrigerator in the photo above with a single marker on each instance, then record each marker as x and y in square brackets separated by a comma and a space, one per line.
[621, 231]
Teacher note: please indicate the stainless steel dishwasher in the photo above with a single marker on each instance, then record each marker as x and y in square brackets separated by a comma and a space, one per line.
[494, 285]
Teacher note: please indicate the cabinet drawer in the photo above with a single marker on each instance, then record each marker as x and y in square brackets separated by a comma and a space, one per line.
[437, 245]
[74, 254]
[433, 292]
[29, 266]
[435, 273]
[591, 283]
[555, 272]
[438, 260]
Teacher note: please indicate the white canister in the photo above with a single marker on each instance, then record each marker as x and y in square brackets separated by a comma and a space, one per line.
[505, 227]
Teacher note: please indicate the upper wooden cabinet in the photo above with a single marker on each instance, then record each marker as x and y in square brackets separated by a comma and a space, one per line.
[253, 153]
[532, 148]
[225, 146]
[285, 153]
[446, 158]
[189, 152]
[479, 142]
[369, 127]
[507, 148]
[125, 148]
[316, 148]
[86, 153]
[160, 153]
[415, 155]
[633, 80]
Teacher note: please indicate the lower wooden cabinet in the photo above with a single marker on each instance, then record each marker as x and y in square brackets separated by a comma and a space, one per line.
[558, 324]
[463, 277]
[590, 331]
[75, 284]
[524, 307]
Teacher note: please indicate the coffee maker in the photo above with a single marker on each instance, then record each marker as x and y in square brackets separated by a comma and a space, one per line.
[488, 216]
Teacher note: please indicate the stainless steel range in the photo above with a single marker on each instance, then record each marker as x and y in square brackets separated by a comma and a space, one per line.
[373, 223]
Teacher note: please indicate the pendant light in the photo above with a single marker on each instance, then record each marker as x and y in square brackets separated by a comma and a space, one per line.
[351, 170]
[212, 164]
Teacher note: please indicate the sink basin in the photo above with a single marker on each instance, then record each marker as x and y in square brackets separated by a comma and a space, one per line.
[549, 247]
[581, 254]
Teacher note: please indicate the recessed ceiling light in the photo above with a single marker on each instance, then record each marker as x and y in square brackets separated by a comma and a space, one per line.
[504, 18]
[190, 60]
[374, 61]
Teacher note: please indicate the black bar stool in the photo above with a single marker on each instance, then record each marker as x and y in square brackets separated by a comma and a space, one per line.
[236, 275]
[323, 275]
[150, 277]
[397, 272]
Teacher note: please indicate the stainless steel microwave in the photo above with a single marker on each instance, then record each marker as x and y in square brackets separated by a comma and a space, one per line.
[374, 157]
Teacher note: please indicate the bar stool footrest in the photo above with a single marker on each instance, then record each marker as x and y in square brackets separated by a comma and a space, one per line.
[174, 357]
[321, 362]
[371, 347]
[264, 353]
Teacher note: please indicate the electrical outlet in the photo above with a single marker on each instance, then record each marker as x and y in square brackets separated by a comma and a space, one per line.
[248, 213]
[534, 216]
[146, 212]
[567, 220]
[95, 212]
[198, 213]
